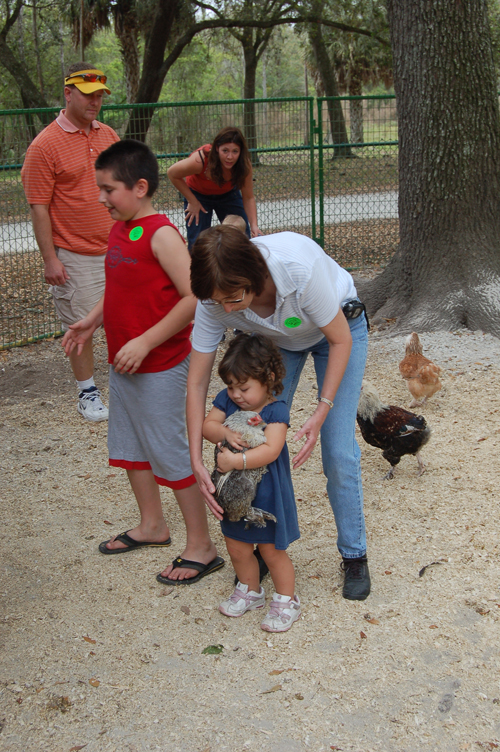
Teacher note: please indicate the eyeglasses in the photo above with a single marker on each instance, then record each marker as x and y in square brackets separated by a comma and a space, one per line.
[90, 78]
[226, 301]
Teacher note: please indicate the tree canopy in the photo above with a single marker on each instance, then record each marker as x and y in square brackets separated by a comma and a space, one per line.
[142, 40]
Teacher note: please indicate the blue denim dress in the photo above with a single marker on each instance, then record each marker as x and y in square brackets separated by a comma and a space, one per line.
[274, 492]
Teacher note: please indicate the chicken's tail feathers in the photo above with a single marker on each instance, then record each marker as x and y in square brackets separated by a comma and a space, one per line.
[220, 483]
[430, 373]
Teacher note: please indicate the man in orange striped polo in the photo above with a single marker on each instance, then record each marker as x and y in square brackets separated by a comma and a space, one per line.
[71, 226]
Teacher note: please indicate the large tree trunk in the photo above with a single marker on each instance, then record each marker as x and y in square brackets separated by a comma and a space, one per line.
[327, 75]
[153, 69]
[446, 272]
[251, 61]
[37, 48]
[356, 106]
[127, 31]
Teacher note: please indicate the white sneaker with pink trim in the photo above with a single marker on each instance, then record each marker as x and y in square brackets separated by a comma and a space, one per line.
[242, 600]
[282, 614]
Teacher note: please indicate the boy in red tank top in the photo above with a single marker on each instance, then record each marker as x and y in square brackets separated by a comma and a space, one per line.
[146, 310]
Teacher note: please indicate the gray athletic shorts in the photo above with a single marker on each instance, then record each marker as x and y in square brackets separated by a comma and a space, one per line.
[79, 294]
[147, 424]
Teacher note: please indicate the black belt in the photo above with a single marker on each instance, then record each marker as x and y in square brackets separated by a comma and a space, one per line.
[352, 309]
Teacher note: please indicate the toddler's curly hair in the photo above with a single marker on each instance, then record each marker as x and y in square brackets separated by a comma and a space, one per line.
[253, 356]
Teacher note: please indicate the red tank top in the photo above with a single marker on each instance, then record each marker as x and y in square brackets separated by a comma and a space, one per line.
[201, 183]
[139, 293]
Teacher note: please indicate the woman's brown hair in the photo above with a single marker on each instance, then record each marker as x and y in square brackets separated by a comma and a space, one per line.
[253, 356]
[224, 259]
[243, 166]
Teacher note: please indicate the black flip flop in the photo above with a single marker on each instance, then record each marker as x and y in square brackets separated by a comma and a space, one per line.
[131, 544]
[203, 569]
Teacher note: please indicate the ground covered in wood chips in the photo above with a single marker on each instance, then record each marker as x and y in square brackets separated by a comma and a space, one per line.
[96, 655]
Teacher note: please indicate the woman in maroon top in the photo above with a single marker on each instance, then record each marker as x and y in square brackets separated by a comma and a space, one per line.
[216, 177]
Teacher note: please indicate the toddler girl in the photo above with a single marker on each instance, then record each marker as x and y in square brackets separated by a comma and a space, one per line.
[253, 370]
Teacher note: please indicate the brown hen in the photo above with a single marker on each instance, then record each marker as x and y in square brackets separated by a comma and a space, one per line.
[420, 373]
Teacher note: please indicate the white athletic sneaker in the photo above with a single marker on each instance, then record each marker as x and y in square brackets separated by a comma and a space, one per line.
[242, 601]
[283, 612]
[90, 405]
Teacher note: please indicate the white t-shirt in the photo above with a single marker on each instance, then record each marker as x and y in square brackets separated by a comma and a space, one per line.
[310, 289]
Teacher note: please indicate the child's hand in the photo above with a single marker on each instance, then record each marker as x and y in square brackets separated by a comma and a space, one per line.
[227, 460]
[77, 335]
[131, 355]
[234, 439]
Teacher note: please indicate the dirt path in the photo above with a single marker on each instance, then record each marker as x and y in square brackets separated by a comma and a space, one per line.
[98, 656]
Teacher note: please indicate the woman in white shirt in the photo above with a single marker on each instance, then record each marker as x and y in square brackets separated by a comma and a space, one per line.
[284, 285]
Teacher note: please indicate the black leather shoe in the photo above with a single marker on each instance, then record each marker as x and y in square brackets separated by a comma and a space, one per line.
[263, 568]
[356, 579]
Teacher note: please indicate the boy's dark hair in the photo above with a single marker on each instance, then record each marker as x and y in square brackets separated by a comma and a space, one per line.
[239, 172]
[130, 161]
[224, 259]
[253, 356]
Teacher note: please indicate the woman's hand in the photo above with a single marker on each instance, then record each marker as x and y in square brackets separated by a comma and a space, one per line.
[310, 430]
[192, 211]
[226, 460]
[254, 231]
[130, 356]
[207, 489]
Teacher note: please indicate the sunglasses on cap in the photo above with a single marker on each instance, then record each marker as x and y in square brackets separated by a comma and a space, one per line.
[90, 78]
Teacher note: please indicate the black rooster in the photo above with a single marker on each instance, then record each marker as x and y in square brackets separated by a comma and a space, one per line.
[393, 429]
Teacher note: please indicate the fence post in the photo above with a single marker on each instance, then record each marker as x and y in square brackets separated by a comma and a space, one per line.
[321, 187]
[312, 131]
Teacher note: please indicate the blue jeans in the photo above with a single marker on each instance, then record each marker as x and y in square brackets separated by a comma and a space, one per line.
[224, 204]
[340, 451]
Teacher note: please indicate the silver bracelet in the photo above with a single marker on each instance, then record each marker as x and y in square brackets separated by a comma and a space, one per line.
[326, 401]
[244, 461]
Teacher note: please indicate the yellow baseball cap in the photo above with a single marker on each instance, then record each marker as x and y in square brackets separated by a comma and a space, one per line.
[88, 81]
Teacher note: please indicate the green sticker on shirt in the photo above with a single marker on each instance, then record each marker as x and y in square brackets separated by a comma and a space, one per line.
[293, 322]
[136, 233]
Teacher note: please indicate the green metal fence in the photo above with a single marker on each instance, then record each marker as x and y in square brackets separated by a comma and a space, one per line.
[340, 191]
[358, 179]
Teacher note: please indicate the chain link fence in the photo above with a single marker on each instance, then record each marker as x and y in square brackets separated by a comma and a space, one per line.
[358, 179]
[328, 172]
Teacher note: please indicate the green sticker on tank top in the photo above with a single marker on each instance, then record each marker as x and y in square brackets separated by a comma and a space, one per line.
[136, 233]
[293, 322]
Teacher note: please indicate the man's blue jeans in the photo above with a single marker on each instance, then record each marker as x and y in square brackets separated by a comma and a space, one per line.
[340, 451]
[224, 204]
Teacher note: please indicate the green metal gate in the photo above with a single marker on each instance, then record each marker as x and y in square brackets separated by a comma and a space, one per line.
[303, 181]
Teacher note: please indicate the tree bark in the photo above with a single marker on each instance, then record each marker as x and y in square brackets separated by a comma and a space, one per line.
[446, 271]
[356, 106]
[329, 82]
[153, 73]
[37, 48]
[254, 45]
[249, 125]
[127, 30]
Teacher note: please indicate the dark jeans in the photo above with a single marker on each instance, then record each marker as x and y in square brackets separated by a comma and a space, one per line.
[227, 203]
